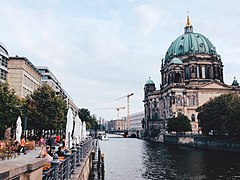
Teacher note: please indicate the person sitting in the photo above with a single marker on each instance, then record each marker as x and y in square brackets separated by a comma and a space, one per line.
[48, 157]
[53, 150]
[41, 153]
[22, 146]
[59, 151]
[49, 151]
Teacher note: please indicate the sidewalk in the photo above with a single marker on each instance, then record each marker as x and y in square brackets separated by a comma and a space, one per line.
[21, 164]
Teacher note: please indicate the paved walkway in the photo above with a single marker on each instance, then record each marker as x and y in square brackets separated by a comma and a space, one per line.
[20, 164]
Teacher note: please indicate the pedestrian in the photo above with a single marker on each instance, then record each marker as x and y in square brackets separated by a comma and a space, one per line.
[21, 146]
[41, 141]
[57, 139]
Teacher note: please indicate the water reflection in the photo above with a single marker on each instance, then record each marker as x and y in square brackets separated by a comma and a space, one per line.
[133, 159]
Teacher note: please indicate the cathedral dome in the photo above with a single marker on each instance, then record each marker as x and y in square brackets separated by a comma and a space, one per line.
[189, 43]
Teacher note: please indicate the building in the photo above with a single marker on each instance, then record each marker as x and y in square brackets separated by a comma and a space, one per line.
[117, 125]
[191, 75]
[22, 76]
[47, 77]
[136, 121]
[3, 63]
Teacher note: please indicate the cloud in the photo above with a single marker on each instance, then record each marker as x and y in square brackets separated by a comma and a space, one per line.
[148, 18]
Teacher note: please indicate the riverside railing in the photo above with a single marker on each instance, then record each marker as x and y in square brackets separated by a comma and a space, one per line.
[62, 170]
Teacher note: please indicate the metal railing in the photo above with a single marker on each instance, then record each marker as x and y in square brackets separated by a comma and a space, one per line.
[62, 170]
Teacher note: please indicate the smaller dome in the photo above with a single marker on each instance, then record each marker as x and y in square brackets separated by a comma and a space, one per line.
[235, 82]
[176, 61]
[149, 82]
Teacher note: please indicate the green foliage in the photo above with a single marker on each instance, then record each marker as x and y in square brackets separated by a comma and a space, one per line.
[221, 115]
[9, 107]
[179, 124]
[45, 109]
[91, 121]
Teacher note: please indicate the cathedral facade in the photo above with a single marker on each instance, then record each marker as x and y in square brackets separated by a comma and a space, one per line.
[191, 75]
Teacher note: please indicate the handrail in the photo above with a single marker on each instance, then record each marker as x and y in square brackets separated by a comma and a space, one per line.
[62, 170]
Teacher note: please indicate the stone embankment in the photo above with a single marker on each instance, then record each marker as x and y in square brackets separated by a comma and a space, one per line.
[207, 142]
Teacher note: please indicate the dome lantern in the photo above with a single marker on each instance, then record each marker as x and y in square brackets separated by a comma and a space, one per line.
[188, 28]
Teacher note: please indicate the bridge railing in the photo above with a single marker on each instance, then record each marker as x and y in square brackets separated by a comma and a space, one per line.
[62, 170]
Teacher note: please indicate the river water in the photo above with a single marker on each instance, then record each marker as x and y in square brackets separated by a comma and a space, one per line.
[135, 159]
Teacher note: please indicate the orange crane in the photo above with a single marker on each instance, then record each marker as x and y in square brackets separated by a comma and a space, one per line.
[128, 108]
[117, 108]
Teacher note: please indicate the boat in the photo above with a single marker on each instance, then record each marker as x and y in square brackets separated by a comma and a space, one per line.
[104, 137]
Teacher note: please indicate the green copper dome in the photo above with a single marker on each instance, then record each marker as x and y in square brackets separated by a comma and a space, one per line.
[189, 43]
[149, 82]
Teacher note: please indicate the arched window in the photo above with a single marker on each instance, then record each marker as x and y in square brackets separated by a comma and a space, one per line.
[179, 100]
[192, 101]
[177, 77]
[193, 117]
[187, 72]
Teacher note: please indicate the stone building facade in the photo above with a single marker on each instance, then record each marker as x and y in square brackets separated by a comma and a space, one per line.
[191, 75]
[117, 125]
[136, 121]
[22, 76]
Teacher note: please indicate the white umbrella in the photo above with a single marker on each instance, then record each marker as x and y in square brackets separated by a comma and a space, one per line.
[77, 130]
[69, 128]
[84, 130]
[80, 130]
[19, 129]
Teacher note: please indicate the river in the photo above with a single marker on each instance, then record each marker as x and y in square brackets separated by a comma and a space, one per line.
[135, 159]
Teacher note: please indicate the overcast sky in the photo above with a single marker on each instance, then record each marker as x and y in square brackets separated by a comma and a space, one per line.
[101, 50]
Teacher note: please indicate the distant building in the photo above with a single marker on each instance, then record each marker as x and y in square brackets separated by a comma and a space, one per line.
[3, 63]
[117, 125]
[47, 77]
[191, 75]
[22, 76]
[136, 121]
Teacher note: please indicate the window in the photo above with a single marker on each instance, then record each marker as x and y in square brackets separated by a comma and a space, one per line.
[179, 100]
[192, 101]
[193, 117]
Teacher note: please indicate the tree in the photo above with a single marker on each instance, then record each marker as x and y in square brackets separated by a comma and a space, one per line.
[91, 121]
[179, 124]
[45, 109]
[9, 107]
[220, 115]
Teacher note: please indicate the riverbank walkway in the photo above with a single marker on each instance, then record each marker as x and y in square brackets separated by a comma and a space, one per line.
[77, 164]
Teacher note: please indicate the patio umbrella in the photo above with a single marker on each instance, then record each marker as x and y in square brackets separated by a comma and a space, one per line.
[19, 129]
[77, 130]
[84, 130]
[80, 130]
[69, 128]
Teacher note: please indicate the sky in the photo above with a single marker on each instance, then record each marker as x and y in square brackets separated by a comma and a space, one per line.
[102, 50]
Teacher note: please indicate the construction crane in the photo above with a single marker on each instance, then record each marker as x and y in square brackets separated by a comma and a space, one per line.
[128, 108]
[117, 108]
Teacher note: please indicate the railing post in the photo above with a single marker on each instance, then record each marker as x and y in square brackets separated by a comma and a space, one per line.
[82, 150]
[55, 164]
[102, 167]
[78, 155]
[67, 157]
[74, 152]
